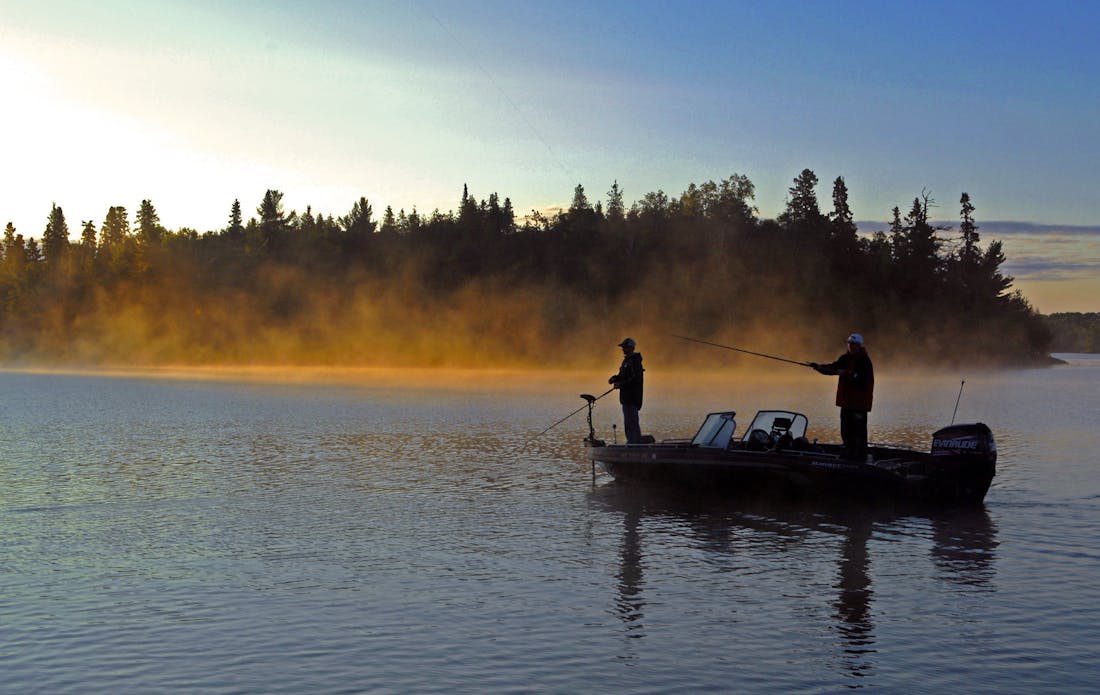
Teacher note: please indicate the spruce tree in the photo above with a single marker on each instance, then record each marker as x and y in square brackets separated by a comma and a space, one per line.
[616, 209]
[148, 222]
[55, 240]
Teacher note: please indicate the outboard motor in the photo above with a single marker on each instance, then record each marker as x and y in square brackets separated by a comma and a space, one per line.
[965, 440]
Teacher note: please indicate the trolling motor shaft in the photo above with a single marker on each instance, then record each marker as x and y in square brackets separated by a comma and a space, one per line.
[591, 430]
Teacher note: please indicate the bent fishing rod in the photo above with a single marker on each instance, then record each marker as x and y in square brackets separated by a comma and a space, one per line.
[589, 400]
[747, 352]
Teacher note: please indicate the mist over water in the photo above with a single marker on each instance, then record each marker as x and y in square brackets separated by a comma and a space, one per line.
[352, 530]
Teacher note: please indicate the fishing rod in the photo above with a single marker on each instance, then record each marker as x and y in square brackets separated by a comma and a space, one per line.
[589, 400]
[963, 383]
[748, 352]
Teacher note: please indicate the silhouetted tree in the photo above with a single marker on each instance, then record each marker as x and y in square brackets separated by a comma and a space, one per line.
[616, 209]
[149, 231]
[389, 221]
[115, 228]
[55, 240]
[86, 251]
[844, 226]
[802, 212]
[969, 253]
[235, 229]
[272, 224]
[508, 217]
[358, 221]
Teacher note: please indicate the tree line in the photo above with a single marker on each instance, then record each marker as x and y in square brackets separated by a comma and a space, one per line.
[479, 285]
[1074, 331]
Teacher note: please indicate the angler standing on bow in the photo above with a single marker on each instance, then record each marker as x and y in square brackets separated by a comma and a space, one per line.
[855, 388]
[629, 383]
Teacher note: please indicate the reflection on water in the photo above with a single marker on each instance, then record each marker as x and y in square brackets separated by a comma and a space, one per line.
[962, 545]
[853, 604]
[249, 537]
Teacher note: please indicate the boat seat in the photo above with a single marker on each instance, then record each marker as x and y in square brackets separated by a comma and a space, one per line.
[784, 441]
[759, 440]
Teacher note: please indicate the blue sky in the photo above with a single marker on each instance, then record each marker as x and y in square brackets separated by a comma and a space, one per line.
[193, 104]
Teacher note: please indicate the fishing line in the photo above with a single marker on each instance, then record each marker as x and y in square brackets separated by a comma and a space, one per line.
[477, 63]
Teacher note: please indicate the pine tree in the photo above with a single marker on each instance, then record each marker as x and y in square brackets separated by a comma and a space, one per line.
[148, 222]
[115, 228]
[802, 212]
[616, 210]
[8, 248]
[55, 240]
[580, 201]
[235, 230]
[508, 216]
[358, 221]
[87, 248]
[969, 254]
[844, 226]
[467, 210]
[389, 222]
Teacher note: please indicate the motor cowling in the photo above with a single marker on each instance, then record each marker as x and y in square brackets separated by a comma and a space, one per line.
[965, 440]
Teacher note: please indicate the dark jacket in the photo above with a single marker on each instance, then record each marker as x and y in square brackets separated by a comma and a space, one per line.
[855, 384]
[629, 380]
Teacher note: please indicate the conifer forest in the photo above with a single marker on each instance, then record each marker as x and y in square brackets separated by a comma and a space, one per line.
[482, 285]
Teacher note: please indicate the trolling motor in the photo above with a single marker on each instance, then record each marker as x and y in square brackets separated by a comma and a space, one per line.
[590, 399]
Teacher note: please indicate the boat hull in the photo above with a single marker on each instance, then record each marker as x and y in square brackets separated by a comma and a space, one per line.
[893, 474]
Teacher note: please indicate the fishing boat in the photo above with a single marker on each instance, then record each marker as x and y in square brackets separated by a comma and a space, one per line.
[774, 456]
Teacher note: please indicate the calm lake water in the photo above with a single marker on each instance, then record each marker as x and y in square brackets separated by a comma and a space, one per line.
[221, 536]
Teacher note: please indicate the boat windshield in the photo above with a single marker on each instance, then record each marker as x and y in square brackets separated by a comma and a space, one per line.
[778, 423]
[716, 431]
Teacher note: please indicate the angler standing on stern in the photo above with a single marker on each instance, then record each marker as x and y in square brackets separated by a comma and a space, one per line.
[629, 383]
[855, 387]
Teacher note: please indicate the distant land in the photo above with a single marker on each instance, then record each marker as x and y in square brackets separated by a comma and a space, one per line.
[1074, 332]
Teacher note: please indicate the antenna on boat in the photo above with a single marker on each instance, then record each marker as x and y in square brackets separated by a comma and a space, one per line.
[961, 384]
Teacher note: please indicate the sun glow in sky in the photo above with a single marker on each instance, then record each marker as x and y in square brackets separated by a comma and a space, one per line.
[193, 104]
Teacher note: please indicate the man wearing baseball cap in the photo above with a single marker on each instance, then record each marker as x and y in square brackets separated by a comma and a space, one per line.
[855, 387]
[629, 383]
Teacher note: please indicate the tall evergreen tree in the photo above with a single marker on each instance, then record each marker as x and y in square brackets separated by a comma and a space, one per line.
[55, 240]
[8, 247]
[616, 208]
[115, 228]
[359, 220]
[272, 217]
[467, 210]
[235, 229]
[580, 200]
[87, 248]
[389, 221]
[969, 253]
[89, 235]
[13, 267]
[148, 222]
[272, 223]
[508, 217]
[802, 212]
[844, 226]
